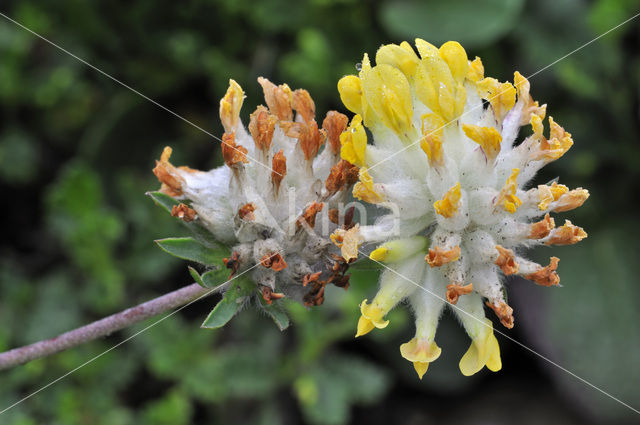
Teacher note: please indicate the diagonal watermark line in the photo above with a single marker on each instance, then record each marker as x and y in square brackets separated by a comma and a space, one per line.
[175, 114]
[504, 91]
[504, 335]
[266, 166]
[206, 294]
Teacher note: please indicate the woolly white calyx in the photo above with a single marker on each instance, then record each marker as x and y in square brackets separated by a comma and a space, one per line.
[452, 169]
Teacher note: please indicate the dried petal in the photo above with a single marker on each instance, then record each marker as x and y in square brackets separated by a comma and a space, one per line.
[309, 215]
[279, 169]
[278, 99]
[504, 313]
[261, 126]
[273, 261]
[567, 234]
[167, 175]
[541, 229]
[183, 212]
[246, 212]
[454, 291]
[438, 256]
[303, 104]
[309, 136]
[334, 124]
[506, 261]
[341, 175]
[233, 155]
[546, 276]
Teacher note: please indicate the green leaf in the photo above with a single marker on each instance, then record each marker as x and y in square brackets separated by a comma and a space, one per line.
[196, 276]
[190, 249]
[217, 277]
[164, 200]
[277, 313]
[233, 300]
[471, 22]
[211, 278]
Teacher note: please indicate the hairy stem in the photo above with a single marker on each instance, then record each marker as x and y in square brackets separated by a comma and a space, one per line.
[103, 326]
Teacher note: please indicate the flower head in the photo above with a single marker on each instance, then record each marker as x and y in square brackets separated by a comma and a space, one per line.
[453, 170]
[280, 176]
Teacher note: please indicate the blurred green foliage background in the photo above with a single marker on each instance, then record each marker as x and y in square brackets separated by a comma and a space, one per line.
[76, 150]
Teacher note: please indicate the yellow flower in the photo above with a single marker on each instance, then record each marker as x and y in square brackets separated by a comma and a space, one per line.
[354, 142]
[420, 353]
[484, 351]
[372, 316]
[366, 190]
[450, 202]
[387, 90]
[457, 203]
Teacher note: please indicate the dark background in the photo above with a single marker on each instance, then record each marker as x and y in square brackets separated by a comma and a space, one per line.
[76, 152]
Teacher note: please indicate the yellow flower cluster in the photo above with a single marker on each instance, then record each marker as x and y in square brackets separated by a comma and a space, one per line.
[444, 154]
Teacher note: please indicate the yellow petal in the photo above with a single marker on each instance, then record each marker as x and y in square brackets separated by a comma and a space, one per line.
[406, 46]
[435, 86]
[560, 142]
[426, 49]
[447, 101]
[425, 89]
[494, 362]
[366, 190]
[487, 137]
[530, 107]
[372, 317]
[421, 368]
[484, 351]
[456, 57]
[399, 249]
[501, 96]
[354, 142]
[450, 202]
[364, 326]
[375, 313]
[230, 106]
[398, 56]
[387, 91]
[557, 190]
[522, 86]
[433, 136]
[460, 99]
[420, 353]
[476, 70]
[365, 65]
[507, 198]
[350, 89]
[538, 126]
[352, 96]
[379, 254]
[417, 350]
[549, 194]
